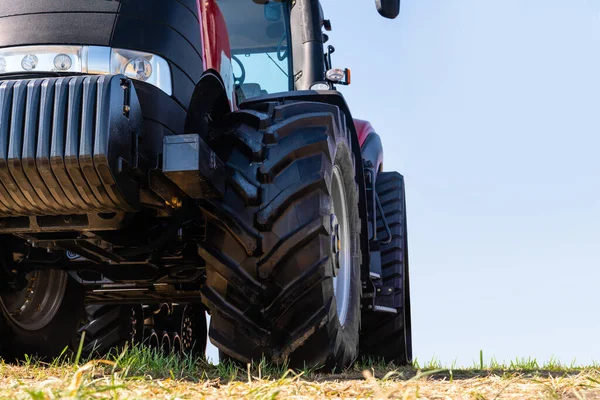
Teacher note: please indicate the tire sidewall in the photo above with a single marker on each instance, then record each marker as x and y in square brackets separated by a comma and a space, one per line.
[350, 330]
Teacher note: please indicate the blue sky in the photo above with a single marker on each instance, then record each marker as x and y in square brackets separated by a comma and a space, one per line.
[490, 108]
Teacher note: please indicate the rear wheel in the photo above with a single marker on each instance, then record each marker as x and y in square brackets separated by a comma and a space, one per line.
[186, 326]
[42, 318]
[283, 256]
[193, 333]
[388, 336]
[111, 327]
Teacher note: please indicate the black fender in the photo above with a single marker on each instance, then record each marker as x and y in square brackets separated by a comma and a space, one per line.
[335, 98]
[372, 151]
[209, 100]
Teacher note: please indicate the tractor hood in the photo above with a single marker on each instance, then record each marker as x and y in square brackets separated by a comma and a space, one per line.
[168, 28]
[29, 22]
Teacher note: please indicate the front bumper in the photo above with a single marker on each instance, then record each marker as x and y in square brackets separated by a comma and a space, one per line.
[68, 146]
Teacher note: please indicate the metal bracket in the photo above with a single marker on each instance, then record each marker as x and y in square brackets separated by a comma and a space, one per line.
[192, 165]
[376, 297]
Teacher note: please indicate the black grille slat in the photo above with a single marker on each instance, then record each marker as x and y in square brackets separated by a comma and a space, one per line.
[23, 191]
[57, 147]
[86, 145]
[74, 112]
[9, 205]
[31, 120]
[66, 146]
[44, 139]
[29, 148]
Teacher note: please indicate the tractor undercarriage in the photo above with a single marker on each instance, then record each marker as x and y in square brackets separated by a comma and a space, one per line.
[150, 259]
[82, 191]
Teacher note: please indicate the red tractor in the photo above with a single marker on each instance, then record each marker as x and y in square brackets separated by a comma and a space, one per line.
[164, 159]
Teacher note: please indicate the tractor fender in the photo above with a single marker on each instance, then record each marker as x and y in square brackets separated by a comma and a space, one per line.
[216, 48]
[372, 151]
[364, 129]
[335, 98]
[208, 99]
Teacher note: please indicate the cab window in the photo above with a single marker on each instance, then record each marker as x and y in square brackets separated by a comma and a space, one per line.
[259, 38]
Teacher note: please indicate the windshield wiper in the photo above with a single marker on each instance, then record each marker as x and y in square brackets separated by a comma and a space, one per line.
[278, 66]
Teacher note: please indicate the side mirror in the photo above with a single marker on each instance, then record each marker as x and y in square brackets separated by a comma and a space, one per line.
[273, 12]
[388, 8]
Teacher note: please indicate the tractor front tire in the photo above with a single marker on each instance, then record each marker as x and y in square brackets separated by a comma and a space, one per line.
[282, 255]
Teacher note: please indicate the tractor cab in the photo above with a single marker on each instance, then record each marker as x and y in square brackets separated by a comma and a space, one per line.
[278, 45]
[259, 36]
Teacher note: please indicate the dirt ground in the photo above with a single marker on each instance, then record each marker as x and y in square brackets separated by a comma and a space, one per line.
[92, 381]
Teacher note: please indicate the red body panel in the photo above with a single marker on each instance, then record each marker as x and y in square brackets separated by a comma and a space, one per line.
[215, 44]
[363, 128]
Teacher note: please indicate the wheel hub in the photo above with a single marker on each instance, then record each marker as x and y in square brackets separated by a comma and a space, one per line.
[336, 244]
[187, 333]
[341, 245]
[33, 307]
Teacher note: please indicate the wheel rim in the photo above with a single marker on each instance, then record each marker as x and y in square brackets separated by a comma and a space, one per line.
[341, 246]
[35, 306]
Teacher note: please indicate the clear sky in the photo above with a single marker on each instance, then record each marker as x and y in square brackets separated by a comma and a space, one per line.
[491, 110]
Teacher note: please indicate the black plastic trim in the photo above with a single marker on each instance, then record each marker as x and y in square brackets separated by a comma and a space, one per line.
[372, 150]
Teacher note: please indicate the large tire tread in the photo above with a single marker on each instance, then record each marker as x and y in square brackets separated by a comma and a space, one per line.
[268, 289]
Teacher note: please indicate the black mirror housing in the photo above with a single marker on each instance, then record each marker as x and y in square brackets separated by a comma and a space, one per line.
[273, 12]
[388, 8]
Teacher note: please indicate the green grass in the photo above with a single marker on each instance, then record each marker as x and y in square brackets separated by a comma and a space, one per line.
[525, 364]
[140, 361]
[138, 372]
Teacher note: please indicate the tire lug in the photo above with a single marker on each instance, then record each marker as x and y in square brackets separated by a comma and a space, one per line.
[334, 241]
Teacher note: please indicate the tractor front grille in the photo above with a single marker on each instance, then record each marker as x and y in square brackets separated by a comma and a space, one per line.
[68, 145]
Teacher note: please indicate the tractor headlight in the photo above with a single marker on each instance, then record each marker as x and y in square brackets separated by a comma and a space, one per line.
[137, 65]
[142, 66]
[42, 59]
[63, 62]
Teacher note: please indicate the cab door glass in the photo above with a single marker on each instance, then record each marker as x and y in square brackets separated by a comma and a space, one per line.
[259, 38]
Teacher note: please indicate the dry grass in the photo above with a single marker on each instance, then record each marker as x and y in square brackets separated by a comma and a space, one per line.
[104, 379]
